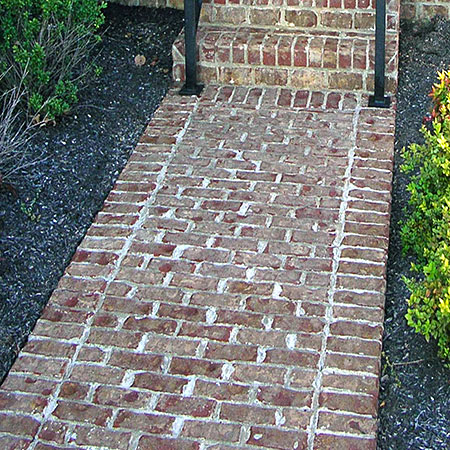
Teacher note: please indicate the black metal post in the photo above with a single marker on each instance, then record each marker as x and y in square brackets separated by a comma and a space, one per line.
[379, 100]
[191, 16]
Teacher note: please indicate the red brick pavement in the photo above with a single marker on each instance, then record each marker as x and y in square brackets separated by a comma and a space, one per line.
[230, 293]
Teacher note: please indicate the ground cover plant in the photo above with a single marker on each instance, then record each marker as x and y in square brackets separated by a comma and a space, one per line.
[415, 383]
[55, 200]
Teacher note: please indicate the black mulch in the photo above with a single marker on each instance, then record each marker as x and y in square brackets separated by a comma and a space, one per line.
[415, 386]
[82, 157]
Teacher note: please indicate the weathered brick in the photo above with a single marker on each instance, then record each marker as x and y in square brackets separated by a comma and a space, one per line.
[82, 412]
[212, 431]
[309, 325]
[344, 442]
[122, 338]
[195, 407]
[97, 374]
[54, 431]
[276, 438]
[145, 422]
[215, 351]
[355, 383]
[160, 383]
[356, 403]
[262, 374]
[301, 19]
[359, 363]
[345, 344]
[18, 425]
[100, 437]
[182, 312]
[292, 357]
[150, 324]
[214, 332]
[278, 396]
[92, 354]
[58, 330]
[346, 423]
[221, 391]
[41, 366]
[160, 443]
[14, 443]
[247, 413]
[186, 366]
[23, 383]
[112, 396]
[172, 346]
[74, 391]
[362, 330]
[74, 300]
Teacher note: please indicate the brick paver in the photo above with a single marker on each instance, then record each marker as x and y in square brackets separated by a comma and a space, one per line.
[230, 293]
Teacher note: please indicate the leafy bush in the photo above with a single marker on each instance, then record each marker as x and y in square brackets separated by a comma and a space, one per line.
[52, 39]
[426, 233]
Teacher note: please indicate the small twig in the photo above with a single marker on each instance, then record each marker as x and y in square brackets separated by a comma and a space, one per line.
[408, 363]
[109, 108]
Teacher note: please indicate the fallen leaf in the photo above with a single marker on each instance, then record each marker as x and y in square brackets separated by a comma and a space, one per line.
[139, 60]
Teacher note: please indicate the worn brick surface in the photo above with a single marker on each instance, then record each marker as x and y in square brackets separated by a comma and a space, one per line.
[300, 44]
[409, 9]
[424, 9]
[232, 300]
[251, 56]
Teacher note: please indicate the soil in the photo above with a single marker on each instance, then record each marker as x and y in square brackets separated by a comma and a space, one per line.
[415, 385]
[81, 158]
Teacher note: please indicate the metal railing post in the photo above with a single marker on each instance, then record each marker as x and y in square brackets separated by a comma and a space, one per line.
[191, 17]
[379, 100]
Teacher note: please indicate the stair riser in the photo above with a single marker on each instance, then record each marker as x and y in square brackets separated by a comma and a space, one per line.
[294, 19]
[288, 60]
[300, 79]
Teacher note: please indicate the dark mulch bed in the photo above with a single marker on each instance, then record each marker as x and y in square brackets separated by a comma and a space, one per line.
[59, 197]
[415, 386]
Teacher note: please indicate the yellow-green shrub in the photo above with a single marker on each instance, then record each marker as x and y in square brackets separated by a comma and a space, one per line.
[426, 232]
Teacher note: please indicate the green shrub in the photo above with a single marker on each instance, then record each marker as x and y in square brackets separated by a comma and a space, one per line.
[426, 233]
[50, 41]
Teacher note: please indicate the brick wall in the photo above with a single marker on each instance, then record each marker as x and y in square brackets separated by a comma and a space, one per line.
[178, 4]
[424, 9]
[410, 9]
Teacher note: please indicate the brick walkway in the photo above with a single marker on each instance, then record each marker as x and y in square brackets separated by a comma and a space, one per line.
[230, 294]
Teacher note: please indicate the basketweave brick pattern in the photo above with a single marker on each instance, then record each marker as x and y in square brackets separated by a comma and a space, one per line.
[229, 294]
[300, 44]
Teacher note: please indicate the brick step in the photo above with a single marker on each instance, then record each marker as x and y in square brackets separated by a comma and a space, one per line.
[261, 57]
[335, 15]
